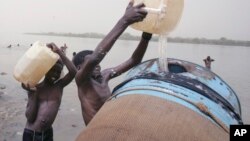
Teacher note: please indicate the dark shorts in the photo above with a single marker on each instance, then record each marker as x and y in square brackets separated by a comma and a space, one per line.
[30, 135]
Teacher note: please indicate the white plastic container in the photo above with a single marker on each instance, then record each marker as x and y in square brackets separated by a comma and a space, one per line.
[34, 64]
[163, 16]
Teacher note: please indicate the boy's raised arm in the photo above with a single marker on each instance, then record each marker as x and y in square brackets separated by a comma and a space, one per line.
[70, 66]
[134, 60]
[132, 14]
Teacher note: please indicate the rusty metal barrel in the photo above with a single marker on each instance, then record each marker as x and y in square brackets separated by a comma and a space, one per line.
[187, 103]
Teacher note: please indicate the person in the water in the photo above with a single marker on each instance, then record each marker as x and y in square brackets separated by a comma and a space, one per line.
[208, 62]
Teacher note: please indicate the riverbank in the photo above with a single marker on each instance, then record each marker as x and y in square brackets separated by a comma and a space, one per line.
[127, 36]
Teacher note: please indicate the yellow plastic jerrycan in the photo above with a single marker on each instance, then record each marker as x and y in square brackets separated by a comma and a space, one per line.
[34, 64]
[163, 15]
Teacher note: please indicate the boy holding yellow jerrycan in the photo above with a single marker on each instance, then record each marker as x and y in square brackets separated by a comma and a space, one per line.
[44, 98]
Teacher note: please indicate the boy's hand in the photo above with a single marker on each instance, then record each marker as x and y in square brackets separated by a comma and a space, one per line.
[134, 13]
[63, 48]
[53, 47]
[27, 88]
[146, 36]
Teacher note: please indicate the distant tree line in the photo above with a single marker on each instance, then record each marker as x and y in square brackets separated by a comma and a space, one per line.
[128, 36]
[221, 41]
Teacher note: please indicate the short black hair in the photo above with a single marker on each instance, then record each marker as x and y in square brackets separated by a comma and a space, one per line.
[79, 57]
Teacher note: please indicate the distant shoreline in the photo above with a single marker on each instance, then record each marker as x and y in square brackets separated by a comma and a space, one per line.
[128, 36]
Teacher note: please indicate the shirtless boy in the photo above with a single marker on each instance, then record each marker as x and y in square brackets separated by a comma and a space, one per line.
[208, 62]
[92, 83]
[44, 100]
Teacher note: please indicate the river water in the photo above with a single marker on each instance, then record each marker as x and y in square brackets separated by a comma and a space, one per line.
[231, 64]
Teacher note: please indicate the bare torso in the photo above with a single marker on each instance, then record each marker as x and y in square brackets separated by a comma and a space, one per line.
[93, 95]
[49, 100]
[44, 100]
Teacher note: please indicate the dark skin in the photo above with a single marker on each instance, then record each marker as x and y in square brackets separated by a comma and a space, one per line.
[93, 89]
[44, 100]
[208, 62]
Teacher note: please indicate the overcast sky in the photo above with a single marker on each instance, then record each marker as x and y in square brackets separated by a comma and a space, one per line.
[201, 18]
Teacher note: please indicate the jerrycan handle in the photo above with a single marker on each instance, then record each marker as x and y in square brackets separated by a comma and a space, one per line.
[160, 10]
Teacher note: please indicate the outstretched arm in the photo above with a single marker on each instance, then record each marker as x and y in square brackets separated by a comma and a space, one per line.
[133, 14]
[70, 66]
[134, 60]
[32, 105]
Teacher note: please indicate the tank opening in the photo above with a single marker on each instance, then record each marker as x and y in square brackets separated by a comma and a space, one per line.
[175, 68]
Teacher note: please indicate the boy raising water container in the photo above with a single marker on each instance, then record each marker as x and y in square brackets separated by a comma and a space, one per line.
[92, 83]
[44, 100]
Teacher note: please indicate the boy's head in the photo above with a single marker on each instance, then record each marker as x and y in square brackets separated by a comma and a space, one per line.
[78, 58]
[55, 72]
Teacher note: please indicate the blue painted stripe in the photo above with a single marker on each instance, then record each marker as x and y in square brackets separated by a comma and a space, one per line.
[178, 94]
